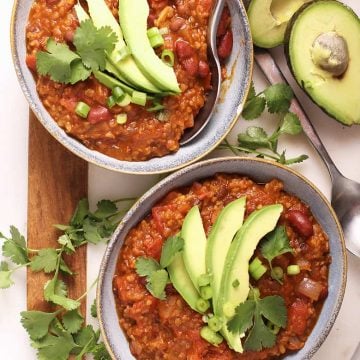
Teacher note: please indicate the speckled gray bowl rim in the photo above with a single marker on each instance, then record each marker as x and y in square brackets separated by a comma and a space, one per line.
[260, 171]
[208, 140]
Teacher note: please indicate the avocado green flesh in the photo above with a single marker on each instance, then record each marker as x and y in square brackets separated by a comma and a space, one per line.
[222, 233]
[182, 282]
[255, 227]
[194, 253]
[338, 96]
[268, 20]
[102, 16]
[111, 83]
[133, 16]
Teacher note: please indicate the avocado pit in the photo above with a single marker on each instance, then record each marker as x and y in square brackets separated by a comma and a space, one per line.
[330, 52]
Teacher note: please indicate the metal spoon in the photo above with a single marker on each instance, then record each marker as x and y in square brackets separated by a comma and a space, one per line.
[207, 110]
[345, 192]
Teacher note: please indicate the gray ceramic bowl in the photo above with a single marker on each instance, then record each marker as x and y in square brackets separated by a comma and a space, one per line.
[260, 171]
[234, 94]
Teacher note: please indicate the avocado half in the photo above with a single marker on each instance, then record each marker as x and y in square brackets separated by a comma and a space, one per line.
[322, 48]
[269, 18]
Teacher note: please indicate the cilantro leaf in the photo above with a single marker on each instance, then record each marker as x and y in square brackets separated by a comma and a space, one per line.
[291, 124]
[100, 352]
[254, 138]
[37, 323]
[157, 282]
[253, 108]
[5, 276]
[15, 247]
[146, 266]
[57, 63]
[260, 336]
[55, 293]
[93, 310]
[296, 160]
[276, 244]
[273, 308]
[82, 210]
[105, 208]
[46, 260]
[72, 321]
[86, 339]
[91, 233]
[92, 44]
[243, 318]
[171, 247]
[66, 241]
[278, 97]
[252, 92]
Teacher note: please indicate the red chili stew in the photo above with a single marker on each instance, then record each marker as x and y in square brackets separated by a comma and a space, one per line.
[170, 329]
[143, 136]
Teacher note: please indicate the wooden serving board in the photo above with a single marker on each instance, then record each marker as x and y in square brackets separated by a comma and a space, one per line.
[57, 181]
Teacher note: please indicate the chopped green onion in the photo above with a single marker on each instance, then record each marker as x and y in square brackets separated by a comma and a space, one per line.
[156, 41]
[138, 98]
[204, 280]
[121, 119]
[121, 54]
[156, 107]
[164, 30]
[211, 336]
[258, 272]
[229, 310]
[202, 305]
[117, 93]
[293, 270]
[153, 32]
[163, 116]
[82, 109]
[206, 292]
[254, 293]
[110, 102]
[215, 323]
[277, 273]
[254, 264]
[167, 56]
[125, 101]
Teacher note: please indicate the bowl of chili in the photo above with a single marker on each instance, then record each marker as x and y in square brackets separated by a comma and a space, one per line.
[137, 324]
[102, 125]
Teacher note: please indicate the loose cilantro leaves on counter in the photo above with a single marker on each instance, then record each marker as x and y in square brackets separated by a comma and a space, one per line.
[276, 244]
[155, 273]
[255, 140]
[250, 316]
[66, 66]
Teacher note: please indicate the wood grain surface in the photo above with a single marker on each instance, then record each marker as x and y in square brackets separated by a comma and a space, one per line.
[57, 181]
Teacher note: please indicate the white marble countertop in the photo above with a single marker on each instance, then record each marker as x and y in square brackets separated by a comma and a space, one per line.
[342, 143]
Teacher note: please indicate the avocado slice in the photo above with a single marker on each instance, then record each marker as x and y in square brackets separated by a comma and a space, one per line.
[194, 253]
[221, 235]
[111, 83]
[236, 269]
[323, 52]
[130, 73]
[133, 16]
[269, 18]
[182, 282]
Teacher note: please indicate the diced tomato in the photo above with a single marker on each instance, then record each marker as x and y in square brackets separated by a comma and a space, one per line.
[99, 113]
[31, 62]
[298, 316]
[225, 45]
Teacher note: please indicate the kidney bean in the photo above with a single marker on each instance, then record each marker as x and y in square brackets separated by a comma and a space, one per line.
[225, 45]
[204, 69]
[183, 49]
[31, 62]
[223, 23]
[176, 24]
[300, 222]
[99, 113]
[151, 20]
[191, 65]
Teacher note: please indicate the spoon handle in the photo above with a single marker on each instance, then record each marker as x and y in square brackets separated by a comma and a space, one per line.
[274, 75]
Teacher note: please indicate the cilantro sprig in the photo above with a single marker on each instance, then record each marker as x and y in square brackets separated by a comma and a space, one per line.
[61, 333]
[255, 140]
[155, 273]
[67, 66]
[250, 315]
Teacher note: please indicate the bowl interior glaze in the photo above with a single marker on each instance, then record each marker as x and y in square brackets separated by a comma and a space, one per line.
[234, 93]
[260, 171]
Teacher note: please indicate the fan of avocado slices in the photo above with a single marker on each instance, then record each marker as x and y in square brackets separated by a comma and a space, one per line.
[212, 274]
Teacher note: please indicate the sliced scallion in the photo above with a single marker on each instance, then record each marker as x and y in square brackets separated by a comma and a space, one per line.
[82, 109]
[156, 41]
[277, 273]
[138, 98]
[117, 93]
[202, 305]
[125, 101]
[153, 32]
[206, 292]
[155, 107]
[121, 119]
[215, 323]
[293, 270]
[211, 336]
[204, 280]
[258, 272]
[110, 102]
[167, 56]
